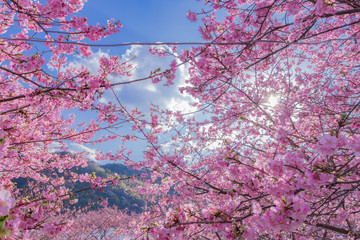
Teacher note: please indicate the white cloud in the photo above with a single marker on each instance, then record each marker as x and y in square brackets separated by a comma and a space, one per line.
[140, 94]
[150, 87]
[165, 97]
[92, 63]
[90, 152]
[103, 100]
[179, 104]
[56, 147]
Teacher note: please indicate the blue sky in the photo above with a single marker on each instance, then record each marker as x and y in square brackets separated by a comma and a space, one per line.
[144, 21]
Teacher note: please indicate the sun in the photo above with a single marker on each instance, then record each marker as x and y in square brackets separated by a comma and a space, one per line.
[273, 100]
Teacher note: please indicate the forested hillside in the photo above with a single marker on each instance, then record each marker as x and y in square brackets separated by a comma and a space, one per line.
[121, 195]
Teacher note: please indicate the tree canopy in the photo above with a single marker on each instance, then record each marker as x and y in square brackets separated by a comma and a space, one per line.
[272, 149]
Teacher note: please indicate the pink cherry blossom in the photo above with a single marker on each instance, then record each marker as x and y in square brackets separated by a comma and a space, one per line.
[192, 16]
[104, 202]
[233, 168]
[327, 144]
[6, 202]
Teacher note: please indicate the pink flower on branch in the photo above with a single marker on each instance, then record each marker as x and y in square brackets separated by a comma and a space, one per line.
[192, 16]
[104, 202]
[6, 202]
[327, 144]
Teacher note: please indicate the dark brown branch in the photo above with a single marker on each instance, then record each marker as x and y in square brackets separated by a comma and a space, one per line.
[332, 228]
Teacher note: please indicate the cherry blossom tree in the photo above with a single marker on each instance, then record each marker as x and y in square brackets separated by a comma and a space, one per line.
[273, 149]
[37, 84]
[96, 225]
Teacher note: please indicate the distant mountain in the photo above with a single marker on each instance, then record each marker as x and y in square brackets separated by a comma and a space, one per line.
[121, 196]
